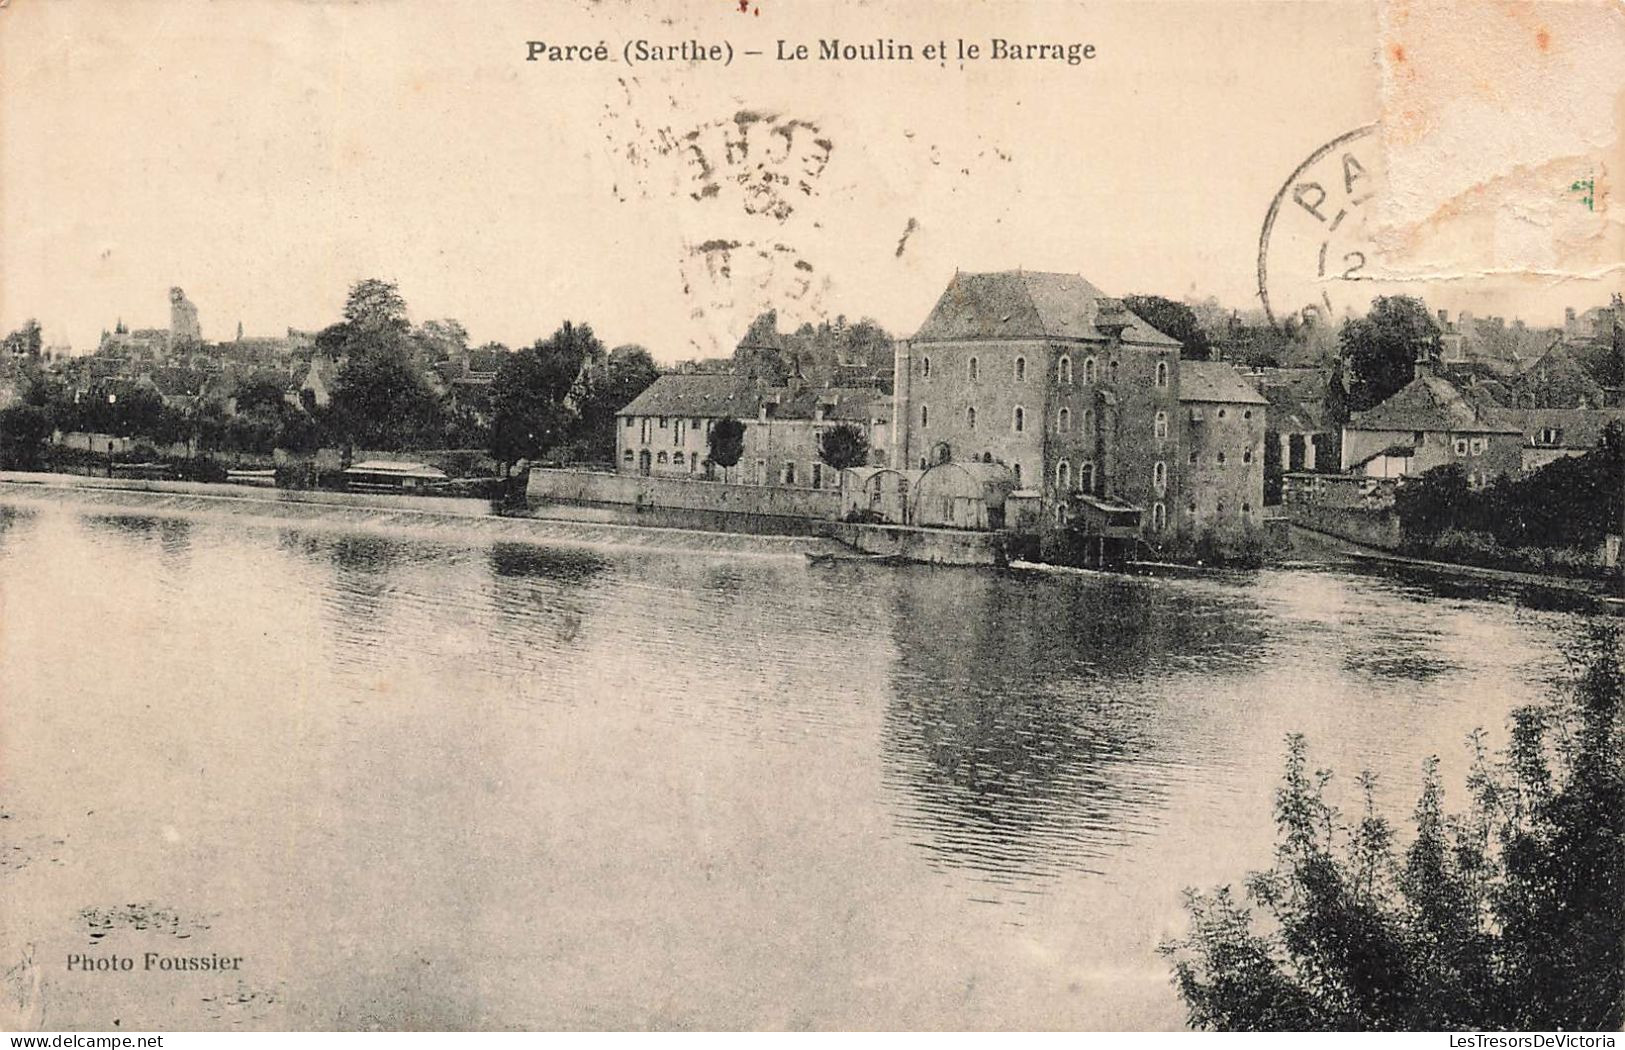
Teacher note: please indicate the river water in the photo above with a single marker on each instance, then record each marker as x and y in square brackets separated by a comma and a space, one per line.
[415, 780]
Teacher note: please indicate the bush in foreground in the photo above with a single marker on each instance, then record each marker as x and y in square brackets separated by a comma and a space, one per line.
[1508, 916]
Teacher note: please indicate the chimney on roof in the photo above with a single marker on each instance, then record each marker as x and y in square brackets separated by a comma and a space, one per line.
[1444, 319]
[1111, 317]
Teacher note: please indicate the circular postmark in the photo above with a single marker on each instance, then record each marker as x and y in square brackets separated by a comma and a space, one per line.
[1314, 247]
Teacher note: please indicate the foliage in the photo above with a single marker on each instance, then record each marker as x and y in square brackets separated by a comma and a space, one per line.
[610, 384]
[843, 445]
[382, 397]
[25, 341]
[199, 468]
[535, 394]
[1508, 916]
[726, 443]
[261, 394]
[1571, 502]
[816, 353]
[439, 340]
[375, 306]
[123, 410]
[1428, 503]
[393, 389]
[24, 429]
[1381, 349]
[1175, 320]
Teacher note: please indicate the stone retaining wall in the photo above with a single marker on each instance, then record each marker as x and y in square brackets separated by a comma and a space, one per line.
[633, 490]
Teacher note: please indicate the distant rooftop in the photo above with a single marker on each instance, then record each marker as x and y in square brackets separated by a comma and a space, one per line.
[1432, 403]
[1216, 381]
[702, 394]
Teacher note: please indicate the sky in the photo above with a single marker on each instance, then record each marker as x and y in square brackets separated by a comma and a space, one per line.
[264, 154]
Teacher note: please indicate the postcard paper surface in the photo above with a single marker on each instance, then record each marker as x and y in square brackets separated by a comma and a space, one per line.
[753, 514]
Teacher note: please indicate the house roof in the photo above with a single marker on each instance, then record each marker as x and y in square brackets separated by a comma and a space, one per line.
[861, 406]
[1433, 403]
[1290, 413]
[702, 395]
[1581, 427]
[1216, 381]
[858, 404]
[1021, 304]
[1400, 451]
[396, 469]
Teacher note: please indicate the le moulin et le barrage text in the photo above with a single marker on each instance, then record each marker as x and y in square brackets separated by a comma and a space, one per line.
[834, 49]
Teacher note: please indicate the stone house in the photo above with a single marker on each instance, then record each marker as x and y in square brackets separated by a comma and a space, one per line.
[1550, 434]
[665, 431]
[1429, 423]
[1077, 396]
[1222, 478]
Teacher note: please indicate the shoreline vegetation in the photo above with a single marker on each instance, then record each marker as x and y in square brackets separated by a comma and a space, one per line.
[1553, 521]
[1507, 915]
[1390, 560]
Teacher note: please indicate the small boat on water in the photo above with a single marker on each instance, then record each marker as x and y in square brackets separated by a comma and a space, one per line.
[829, 557]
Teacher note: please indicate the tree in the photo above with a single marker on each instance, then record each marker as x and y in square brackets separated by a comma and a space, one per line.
[537, 392]
[843, 445]
[375, 305]
[1571, 502]
[1431, 502]
[25, 341]
[1175, 320]
[126, 412]
[442, 339]
[24, 429]
[1509, 916]
[260, 394]
[1381, 350]
[611, 386]
[381, 398]
[726, 443]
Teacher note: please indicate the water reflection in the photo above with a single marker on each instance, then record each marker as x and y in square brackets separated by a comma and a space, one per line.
[685, 748]
[174, 535]
[535, 591]
[1029, 728]
[1420, 584]
[10, 518]
[563, 564]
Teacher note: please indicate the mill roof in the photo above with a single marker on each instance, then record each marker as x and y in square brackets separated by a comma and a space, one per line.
[1023, 304]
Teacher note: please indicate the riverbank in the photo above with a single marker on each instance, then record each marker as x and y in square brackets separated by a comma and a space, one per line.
[465, 520]
[1381, 559]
